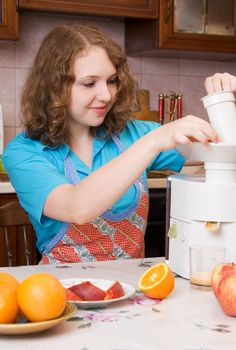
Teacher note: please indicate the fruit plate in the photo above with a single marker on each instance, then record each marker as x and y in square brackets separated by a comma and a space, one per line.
[100, 283]
[33, 327]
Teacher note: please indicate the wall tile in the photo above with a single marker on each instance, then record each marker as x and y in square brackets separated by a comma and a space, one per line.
[229, 67]
[9, 134]
[20, 79]
[32, 30]
[161, 66]
[34, 26]
[138, 79]
[198, 67]
[114, 28]
[135, 67]
[193, 90]
[7, 95]
[7, 54]
[135, 64]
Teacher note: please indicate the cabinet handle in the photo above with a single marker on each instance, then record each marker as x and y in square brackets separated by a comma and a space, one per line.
[167, 11]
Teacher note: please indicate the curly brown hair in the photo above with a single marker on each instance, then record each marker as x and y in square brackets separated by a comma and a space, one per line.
[46, 93]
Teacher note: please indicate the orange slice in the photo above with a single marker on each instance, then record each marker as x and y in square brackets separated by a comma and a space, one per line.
[157, 282]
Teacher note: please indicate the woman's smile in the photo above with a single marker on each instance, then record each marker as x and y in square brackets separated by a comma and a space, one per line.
[99, 110]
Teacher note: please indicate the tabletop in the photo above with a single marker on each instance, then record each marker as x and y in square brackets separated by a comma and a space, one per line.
[189, 319]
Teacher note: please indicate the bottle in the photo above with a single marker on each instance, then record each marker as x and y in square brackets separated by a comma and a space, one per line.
[161, 108]
[179, 106]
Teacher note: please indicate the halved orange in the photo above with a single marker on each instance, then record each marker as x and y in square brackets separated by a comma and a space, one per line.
[157, 282]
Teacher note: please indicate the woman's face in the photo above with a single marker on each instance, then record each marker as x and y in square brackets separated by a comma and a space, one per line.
[94, 91]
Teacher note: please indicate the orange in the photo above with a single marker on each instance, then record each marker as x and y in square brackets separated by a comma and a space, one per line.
[8, 278]
[41, 297]
[157, 282]
[8, 303]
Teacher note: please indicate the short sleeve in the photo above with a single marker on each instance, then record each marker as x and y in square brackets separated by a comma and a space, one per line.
[170, 159]
[32, 173]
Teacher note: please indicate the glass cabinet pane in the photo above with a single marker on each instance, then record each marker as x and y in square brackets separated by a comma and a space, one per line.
[220, 17]
[189, 16]
[213, 17]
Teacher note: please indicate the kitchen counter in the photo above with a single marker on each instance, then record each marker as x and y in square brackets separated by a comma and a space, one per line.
[6, 187]
[157, 183]
[189, 319]
[157, 180]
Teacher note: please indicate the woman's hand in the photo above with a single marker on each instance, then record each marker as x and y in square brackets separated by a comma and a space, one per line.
[220, 82]
[185, 131]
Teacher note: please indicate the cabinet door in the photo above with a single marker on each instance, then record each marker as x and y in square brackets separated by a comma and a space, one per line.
[16, 238]
[198, 25]
[9, 20]
[155, 232]
[125, 8]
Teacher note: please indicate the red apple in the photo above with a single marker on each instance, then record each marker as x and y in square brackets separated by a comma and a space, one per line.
[226, 294]
[219, 272]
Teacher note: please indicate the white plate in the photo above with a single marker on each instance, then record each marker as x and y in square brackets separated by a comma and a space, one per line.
[100, 283]
[33, 327]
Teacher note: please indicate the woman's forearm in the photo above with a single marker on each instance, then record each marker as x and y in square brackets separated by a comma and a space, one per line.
[101, 189]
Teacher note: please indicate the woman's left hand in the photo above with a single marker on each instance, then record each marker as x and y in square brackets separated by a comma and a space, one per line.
[220, 82]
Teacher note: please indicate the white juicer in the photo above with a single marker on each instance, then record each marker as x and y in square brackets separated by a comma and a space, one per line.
[202, 209]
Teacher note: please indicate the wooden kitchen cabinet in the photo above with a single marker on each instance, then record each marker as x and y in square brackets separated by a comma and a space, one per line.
[186, 25]
[203, 26]
[9, 20]
[155, 232]
[16, 239]
[124, 8]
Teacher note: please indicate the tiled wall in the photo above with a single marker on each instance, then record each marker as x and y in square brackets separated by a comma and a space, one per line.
[153, 73]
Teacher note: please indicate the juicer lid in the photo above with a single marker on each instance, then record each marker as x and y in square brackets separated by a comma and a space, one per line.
[212, 152]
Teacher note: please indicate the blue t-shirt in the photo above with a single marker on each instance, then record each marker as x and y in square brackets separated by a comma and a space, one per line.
[35, 170]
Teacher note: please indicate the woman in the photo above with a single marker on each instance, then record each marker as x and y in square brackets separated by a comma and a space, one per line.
[79, 168]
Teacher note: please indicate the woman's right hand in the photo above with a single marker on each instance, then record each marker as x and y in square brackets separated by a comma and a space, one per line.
[185, 131]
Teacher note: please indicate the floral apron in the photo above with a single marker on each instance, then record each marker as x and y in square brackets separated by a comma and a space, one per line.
[108, 237]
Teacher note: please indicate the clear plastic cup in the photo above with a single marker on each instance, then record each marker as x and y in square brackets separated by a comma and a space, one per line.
[203, 259]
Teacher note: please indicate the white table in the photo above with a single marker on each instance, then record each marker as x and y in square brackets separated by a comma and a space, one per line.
[189, 319]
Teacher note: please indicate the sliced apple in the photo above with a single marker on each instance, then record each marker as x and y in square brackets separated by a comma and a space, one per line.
[114, 291]
[72, 296]
[88, 291]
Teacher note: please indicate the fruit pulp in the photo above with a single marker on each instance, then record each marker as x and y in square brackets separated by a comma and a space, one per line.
[201, 278]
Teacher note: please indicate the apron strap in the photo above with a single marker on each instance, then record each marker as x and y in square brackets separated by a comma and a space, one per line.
[74, 178]
[60, 234]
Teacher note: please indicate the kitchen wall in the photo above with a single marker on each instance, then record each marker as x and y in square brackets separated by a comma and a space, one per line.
[153, 73]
